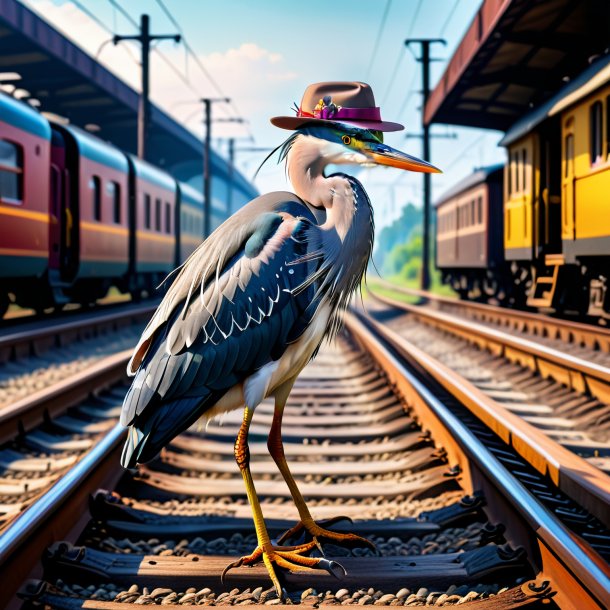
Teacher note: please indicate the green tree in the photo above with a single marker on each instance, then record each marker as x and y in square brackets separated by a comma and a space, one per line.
[396, 233]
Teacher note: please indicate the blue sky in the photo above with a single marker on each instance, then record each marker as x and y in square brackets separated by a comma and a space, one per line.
[263, 53]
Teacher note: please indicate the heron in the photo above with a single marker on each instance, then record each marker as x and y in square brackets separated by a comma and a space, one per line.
[251, 306]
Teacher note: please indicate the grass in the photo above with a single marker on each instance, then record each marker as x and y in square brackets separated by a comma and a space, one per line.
[372, 282]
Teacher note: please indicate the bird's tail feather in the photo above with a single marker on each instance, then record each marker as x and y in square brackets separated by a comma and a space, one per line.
[153, 429]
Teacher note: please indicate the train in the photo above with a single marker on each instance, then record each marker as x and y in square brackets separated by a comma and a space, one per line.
[78, 215]
[535, 232]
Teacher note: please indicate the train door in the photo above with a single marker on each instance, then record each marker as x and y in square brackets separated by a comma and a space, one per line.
[549, 236]
[568, 231]
[63, 254]
[55, 200]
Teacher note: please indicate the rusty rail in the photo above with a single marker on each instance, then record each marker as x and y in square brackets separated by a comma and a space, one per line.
[581, 573]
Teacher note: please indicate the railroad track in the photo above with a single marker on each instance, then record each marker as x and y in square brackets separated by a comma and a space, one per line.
[456, 513]
[553, 373]
[55, 402]
[46, 368]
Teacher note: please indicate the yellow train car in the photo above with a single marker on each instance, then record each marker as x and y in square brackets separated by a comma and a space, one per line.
[557, 197]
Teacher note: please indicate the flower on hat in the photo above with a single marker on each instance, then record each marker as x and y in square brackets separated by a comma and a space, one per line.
[325, 108]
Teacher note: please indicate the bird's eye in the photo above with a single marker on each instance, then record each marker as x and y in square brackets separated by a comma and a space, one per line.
[346, 139]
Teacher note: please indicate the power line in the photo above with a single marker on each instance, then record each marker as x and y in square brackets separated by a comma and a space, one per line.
[455, 5]
[399, 59]
[410, 94]
[378, 40]
[101, 24]
[468, 145]
[191, 52]
[124, 12]
[415, 16]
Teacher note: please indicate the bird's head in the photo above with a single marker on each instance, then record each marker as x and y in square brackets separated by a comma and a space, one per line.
[345, 144]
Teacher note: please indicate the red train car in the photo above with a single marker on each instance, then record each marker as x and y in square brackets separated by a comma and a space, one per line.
[154, 198]
[25, 224]
[78, 215]
[90, 180]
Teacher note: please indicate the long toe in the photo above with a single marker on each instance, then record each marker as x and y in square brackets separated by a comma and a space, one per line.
[298, 534]
[318, 532]
[282, 559]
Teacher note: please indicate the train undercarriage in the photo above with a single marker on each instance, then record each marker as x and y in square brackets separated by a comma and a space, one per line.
[40, 294]
[580, 288]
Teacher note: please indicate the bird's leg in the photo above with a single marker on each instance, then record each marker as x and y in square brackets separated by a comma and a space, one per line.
[286, 557]
[315, 530]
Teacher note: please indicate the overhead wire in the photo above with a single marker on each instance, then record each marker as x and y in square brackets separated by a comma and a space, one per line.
[191, 53]
[117, 7]
[415, 16]
[378, 39]
[399, 59]
[449, 16]
[101, 24]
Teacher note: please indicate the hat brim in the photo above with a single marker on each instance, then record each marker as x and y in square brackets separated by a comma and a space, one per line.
[294, 122]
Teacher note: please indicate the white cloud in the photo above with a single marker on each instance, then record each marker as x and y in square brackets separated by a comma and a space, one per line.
[91, 37]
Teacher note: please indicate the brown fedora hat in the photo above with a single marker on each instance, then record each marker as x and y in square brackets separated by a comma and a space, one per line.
[340, 102]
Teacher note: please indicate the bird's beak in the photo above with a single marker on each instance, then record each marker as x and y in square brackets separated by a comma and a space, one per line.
[382, 154]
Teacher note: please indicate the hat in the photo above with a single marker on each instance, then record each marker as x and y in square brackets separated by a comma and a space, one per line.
[338, 102]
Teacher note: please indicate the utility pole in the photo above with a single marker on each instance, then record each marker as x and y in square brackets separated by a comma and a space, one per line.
[425, 60]
[145, 38]
[207, 177]
[232, 151]
[231, 173]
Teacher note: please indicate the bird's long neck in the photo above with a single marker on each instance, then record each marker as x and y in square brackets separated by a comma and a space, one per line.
[347, 233]
[305, 163]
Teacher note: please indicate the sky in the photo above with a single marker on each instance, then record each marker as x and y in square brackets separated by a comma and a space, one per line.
[263, 54]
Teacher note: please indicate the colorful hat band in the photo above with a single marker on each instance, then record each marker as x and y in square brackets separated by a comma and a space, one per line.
[341, 112]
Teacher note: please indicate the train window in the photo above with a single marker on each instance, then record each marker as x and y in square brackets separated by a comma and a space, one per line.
[595, 119]
[95, 184]
[608, 127]
[116, 202]
[168, 217]
[158, 214]
[472, 220]
[480, 210]
[569, 152]
[524, 181]
[147, 210]
[11, 171]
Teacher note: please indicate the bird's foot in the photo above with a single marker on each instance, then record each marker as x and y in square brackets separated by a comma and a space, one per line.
[318, 533]
[291, 558]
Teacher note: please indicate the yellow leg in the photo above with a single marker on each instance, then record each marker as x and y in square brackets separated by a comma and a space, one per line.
[286, 557]
[317, 532]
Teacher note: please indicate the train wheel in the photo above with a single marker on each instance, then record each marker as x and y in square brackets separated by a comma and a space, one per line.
[490, 285]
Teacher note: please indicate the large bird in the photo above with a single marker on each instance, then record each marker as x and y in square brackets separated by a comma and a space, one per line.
[253, 303]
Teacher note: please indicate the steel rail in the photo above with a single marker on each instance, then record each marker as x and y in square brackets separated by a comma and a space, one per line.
[56, 512]
[22, 415]
[586, 334]
[574, 372]
[19, 340]
[581, 563]
[581, 481]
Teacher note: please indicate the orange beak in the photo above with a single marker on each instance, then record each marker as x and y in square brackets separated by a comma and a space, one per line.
[382, 154]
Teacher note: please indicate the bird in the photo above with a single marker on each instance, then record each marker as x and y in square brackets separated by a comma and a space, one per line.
[252, 305]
